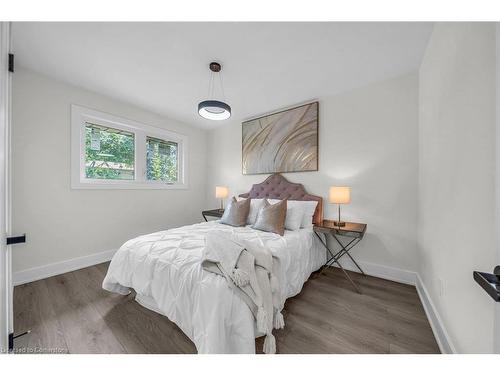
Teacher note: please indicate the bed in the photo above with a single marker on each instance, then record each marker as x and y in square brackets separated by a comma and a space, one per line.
[164, 268]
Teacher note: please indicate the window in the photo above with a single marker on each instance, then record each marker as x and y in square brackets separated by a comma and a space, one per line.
[108, 152]
[161, 163]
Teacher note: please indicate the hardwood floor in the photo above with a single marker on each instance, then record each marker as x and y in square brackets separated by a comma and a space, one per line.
[71, 313]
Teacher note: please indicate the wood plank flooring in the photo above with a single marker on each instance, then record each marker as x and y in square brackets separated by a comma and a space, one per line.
[71, 313]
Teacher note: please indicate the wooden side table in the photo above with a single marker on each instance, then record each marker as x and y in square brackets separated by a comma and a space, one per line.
[218, 212]
[354, 231]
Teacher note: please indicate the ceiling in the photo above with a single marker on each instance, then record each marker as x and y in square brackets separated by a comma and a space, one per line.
[163, 67]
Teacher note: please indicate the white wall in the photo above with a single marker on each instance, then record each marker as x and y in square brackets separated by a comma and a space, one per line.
[367, 140]
[62, 223]
[456, 178]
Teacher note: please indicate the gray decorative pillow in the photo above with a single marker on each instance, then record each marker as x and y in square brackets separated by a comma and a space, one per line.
[271, 218]
[236, 213]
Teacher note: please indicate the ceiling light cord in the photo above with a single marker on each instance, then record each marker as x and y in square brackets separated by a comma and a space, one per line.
[223, 96]
[211, 84]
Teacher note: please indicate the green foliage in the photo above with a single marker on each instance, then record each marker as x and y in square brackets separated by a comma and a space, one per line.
[161, 160]
[114, 160]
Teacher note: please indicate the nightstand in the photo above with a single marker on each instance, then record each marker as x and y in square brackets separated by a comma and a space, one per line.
[353, 231]
[218, 212]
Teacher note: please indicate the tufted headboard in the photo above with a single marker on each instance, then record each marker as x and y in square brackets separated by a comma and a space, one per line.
[278, 187]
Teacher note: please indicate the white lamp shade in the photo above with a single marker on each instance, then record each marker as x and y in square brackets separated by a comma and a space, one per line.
[339, 194]
[221, 192]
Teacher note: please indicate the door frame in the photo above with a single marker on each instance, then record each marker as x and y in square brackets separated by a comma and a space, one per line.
[496, 328]
[6, 289]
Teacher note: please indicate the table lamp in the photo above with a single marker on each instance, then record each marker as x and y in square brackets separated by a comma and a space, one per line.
[221, 192]
[339, 195]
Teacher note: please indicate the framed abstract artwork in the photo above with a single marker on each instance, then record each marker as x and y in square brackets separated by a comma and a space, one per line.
[285, 141]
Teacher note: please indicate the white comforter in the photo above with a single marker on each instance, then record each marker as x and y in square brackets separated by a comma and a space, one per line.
[164, 268]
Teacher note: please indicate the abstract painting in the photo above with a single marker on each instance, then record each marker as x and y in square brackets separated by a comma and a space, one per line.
[285, 141]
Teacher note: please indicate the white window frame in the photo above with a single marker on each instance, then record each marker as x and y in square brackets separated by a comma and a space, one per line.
[80, 116]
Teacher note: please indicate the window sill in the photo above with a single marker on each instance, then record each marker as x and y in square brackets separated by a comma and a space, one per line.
[111, 185]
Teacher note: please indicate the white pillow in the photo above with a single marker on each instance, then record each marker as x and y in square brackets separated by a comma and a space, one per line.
[307, 209]
[255, 206]
[293, 218]
[294, 214]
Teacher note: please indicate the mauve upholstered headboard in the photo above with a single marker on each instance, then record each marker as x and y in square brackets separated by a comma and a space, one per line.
[278, 187]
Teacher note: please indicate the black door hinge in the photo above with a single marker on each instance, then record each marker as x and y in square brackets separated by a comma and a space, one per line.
[12, 337]
[16, 239]
[11, 62]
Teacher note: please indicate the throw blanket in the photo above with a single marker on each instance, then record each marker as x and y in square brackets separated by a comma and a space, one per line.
[252, 271]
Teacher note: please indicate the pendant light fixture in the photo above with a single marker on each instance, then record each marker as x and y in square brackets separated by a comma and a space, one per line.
[214, 109]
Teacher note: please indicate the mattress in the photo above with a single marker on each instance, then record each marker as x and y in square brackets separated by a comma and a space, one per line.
[164, 268]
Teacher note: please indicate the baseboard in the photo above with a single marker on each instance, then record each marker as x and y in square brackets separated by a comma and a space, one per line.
[412, 278]
[443, 339]
[53, 269]
[384, 272]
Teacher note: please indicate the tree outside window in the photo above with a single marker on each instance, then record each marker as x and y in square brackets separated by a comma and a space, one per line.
[109, 153]
[161, 163]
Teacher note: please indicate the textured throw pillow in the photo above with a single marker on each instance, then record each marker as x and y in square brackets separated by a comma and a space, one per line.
[255, 205]
[294, 214]
[271, 218]
[236, 213]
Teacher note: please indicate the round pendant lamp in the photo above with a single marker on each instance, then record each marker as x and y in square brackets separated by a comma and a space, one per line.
[214, 109]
